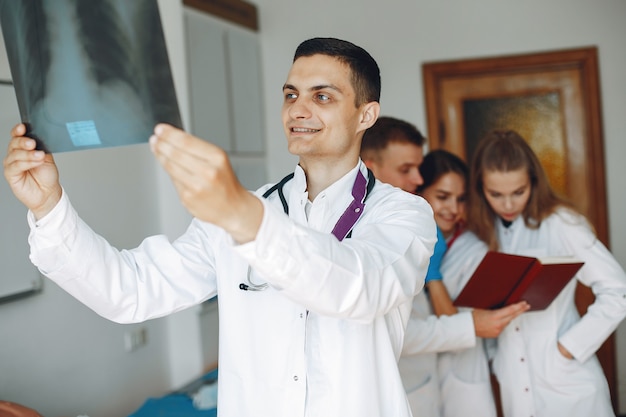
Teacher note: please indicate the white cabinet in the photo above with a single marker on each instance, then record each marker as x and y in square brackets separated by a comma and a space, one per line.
[243, 60]
[225, 91]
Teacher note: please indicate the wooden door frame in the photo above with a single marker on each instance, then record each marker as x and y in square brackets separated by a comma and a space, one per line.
[584, 63]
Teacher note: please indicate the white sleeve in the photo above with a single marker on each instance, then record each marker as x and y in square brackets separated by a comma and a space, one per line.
[460, 262]
[153, 280]
[427, 333]
[607, 280]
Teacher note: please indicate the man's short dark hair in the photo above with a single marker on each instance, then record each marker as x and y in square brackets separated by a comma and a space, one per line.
[385, 131]
[365, 71]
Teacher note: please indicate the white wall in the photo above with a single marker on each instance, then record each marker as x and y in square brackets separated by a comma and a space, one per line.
[401, 35]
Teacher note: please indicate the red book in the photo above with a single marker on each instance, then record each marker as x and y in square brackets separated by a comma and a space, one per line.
[502, 279]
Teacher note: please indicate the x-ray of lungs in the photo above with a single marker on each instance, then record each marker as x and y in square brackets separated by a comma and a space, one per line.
[89, 74]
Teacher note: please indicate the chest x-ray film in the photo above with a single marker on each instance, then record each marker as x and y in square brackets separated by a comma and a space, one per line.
[88, 74]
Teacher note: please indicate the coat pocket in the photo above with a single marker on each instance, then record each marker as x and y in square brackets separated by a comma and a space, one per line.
[466, 399]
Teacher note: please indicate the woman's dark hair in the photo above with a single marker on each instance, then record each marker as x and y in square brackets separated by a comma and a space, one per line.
[439, 162]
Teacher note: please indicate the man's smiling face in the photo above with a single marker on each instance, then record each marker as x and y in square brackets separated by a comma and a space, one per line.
[319, 113]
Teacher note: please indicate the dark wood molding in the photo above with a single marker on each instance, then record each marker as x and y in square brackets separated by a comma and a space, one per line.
[236, 11]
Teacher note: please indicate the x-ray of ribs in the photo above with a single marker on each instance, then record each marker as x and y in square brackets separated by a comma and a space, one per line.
[105, 43]
[34, 56]
[116, 54]
[150, 44]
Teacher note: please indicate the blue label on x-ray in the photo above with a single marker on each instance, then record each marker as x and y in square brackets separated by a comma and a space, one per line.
[83, 133]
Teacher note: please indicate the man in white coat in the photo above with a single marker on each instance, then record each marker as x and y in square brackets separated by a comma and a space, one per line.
[315, 275]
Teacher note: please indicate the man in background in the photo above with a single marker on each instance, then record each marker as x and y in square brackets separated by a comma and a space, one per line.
[393, 150]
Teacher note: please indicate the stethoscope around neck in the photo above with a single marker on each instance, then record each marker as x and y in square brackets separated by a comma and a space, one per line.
[251, 286]
[343, 228]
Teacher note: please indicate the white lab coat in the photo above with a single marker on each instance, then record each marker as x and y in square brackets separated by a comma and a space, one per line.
[426, 335]
[443, 364]
[535, 379]
[465, 379]
[322, 340]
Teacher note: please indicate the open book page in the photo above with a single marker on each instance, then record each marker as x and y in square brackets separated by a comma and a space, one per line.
[558, 260]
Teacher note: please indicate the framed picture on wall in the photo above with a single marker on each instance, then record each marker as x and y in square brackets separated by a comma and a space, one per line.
[553, 100]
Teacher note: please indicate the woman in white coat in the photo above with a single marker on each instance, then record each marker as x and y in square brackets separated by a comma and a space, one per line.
[545, 360]
[435, 324]
[464, 375]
